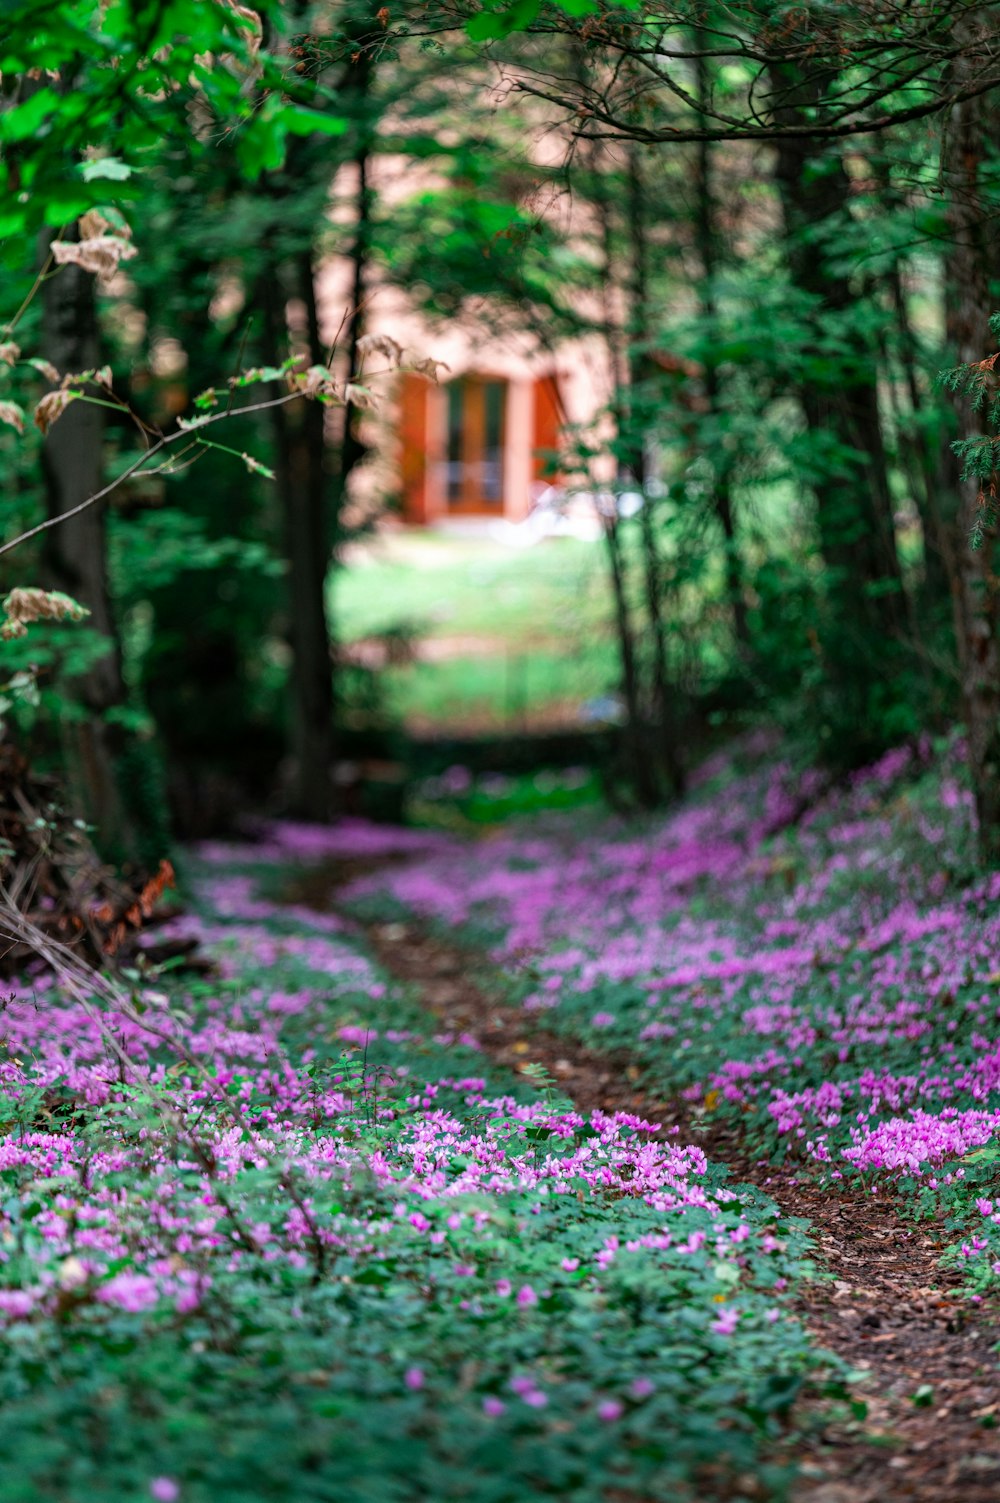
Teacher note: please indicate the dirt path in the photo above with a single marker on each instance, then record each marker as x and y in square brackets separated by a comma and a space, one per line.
[932, 1383]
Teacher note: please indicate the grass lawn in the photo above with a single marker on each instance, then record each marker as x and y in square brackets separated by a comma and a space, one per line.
[506, 637]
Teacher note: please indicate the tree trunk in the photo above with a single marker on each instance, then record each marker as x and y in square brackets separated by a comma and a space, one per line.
[967, 310]
[75, 559]
[707, 241]
[840, 405]
[640, 373]
[642, 776]
[303, 490]
[924, 461]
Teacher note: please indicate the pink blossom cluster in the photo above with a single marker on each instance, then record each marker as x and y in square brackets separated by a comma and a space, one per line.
[797, 948]
[152, 1216]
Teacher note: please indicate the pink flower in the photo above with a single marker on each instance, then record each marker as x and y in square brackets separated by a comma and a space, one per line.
[16, 1302]
[642, 1388]
[504, 1288]
[493, 1406]
[164, 1490]
[414, 1378]
[726, 1322]
[526, 1297]
[609, 1411]
[130, 1291]
[570, 1264]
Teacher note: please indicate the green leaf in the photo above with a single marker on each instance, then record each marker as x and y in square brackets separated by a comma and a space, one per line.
[301, 121]
[111, 168]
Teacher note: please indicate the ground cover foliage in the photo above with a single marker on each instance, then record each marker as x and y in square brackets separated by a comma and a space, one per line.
[814, 960]
[269, 1229]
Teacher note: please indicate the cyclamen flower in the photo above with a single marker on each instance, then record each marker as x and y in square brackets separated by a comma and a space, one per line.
[493, 1406]
[526, 1297]
[130, 1291]
[570, 1265]
[164, 1490]
[725, 1322]
[414, 1378]
[610, 1410]
[505, 1288]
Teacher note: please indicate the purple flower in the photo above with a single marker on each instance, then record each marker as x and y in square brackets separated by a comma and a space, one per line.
[609, 1410]
[726, 1322]
[526, 1297]
[414, 1378]
[164, 1490]
[129, 1291]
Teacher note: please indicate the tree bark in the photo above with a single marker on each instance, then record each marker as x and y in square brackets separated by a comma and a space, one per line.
[644, 783]
[75, 559]
[850, 480]
[303, 490]
[640, 375]
[967, 310]
[707, 241]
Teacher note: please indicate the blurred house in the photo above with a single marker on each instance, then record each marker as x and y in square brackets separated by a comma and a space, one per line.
[483, 443]
[494, 434]
[485, 440]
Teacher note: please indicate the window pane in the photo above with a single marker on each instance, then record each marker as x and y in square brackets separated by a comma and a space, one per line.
[456, 467]
[492, 465]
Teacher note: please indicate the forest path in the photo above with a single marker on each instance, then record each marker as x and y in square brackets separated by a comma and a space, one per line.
[932, 1381]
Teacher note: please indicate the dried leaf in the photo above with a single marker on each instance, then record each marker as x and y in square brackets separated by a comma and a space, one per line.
[11, 414]
[10, 352]
[254, 30]
[51, 408]
[45, 368]
[25, 605]
[255, 467]
[153, 889]
[100, 255]
[93, 225]
[316, 379]
[428, 367]
[381, 344]
[316, 382]
[359, 396]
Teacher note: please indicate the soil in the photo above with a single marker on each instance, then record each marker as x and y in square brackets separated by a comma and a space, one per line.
[930, 1378]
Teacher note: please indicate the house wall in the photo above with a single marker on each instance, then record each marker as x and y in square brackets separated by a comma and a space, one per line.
[546, 387]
